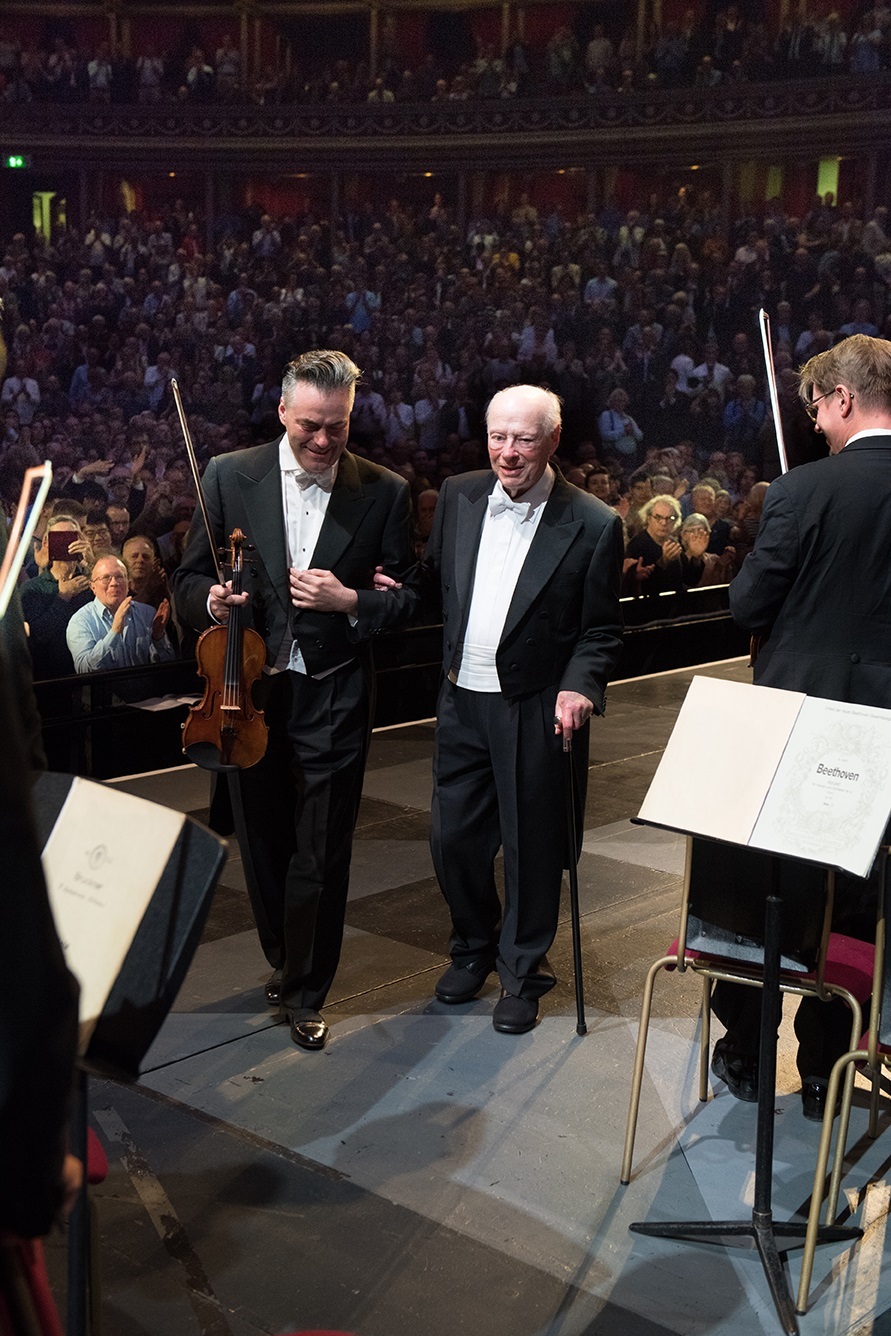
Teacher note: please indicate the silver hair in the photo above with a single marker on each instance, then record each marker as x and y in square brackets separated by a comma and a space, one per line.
[323, 368]
[662, 499]
[696, 521]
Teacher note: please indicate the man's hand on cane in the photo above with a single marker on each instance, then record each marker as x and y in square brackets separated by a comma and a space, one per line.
[571, 713]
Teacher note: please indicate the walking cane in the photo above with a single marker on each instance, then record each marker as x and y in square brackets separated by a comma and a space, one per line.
[572, 861]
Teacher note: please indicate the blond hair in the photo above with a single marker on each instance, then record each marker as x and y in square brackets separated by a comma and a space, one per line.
[859, 362]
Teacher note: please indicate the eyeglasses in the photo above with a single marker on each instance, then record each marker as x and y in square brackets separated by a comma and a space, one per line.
[106, 580]
[662, 519]
[811, 408]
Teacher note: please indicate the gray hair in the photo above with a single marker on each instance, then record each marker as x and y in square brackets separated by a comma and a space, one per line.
[661, 500]
[696, 521]
[860, 362]
[323, 368]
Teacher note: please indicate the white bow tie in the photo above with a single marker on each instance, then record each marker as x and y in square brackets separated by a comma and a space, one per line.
[324, 480]
[498, 502]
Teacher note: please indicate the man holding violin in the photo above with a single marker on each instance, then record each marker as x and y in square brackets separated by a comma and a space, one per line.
[319, 520]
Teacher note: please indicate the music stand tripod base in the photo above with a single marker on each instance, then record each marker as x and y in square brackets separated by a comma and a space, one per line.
[761, 1227]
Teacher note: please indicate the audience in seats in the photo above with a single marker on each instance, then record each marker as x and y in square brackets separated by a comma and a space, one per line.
[600, 60]
[55, 595]
[642, 318]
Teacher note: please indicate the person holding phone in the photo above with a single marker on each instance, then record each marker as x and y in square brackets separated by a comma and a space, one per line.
[51, 599]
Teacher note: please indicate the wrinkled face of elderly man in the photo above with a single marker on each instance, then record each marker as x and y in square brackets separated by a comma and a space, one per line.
[524, 431]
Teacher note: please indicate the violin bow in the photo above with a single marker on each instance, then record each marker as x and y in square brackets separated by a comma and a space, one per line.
[193, 462]
[764, 325]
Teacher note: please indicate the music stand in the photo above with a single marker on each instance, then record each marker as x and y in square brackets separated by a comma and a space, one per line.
[141, 997]
[757, 713]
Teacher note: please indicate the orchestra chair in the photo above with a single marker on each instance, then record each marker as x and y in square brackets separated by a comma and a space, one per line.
[873, 1054]
[719, 937]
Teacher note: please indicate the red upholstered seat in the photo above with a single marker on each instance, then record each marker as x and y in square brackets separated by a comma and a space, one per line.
[97, 1160]
[24, 1258]
[849, 964]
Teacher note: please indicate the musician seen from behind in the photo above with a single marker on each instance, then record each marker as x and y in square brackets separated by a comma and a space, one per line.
[818, 584]
[319, 520]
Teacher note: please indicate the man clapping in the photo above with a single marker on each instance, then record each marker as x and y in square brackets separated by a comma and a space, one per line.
[114, 631]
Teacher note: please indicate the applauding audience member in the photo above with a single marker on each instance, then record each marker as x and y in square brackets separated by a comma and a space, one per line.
[699, 566]
[114, 631]
[148, 582]
[652, 558]
[52, 598]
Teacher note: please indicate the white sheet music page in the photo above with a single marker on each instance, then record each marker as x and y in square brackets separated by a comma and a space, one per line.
[830, 797]
[688, 792]
[102, 862]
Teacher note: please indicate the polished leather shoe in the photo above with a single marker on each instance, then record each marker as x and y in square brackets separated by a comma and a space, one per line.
[461, 983]
[740, 1073]
[273, 989]
[515, 1015]
[814, 1098]
[308, 1030]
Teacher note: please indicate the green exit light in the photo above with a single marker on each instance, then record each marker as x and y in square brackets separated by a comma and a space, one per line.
[16, 160]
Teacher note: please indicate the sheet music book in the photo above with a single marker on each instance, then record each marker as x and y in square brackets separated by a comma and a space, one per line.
[810, 777]
[102, 863]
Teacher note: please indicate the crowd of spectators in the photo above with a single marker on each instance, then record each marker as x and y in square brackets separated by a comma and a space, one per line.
[642, 320]
[693, 52]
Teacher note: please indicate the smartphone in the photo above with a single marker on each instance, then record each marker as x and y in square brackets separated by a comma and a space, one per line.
[58, 546]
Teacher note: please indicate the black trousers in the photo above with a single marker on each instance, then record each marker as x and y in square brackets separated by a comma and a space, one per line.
[499, 781]
[299, 806]
[823, 1029]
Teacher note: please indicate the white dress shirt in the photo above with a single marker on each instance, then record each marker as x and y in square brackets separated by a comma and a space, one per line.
[508, 530]
[305, 498]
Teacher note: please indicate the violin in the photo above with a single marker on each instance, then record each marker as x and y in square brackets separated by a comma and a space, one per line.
[225, 731]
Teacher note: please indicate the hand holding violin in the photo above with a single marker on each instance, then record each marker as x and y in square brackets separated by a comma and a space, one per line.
[222, 599]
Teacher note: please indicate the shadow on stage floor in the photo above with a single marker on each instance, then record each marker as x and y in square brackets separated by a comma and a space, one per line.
[424, 1175]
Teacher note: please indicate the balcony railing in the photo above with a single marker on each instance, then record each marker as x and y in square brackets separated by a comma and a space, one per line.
[844, 99]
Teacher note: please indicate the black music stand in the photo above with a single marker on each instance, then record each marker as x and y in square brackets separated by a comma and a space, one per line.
[141, 997]
[792, 745]
[806, 763]
[737, 928]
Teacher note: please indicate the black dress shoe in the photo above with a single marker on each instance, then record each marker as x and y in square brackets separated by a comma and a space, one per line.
[273, 989]
[739, 1072]
[461, 983]
[515, 1015]
[308, 1030]
[814, 1098]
